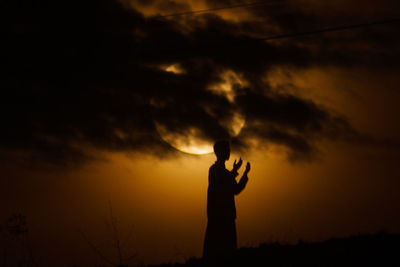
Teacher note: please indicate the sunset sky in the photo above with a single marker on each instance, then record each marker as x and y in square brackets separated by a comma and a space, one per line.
[114, 103]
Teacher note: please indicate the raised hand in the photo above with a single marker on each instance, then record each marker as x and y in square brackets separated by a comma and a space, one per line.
[236, 166]
[247, 168]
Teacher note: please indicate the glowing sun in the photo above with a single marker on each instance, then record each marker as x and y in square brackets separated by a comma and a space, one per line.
[192, 141]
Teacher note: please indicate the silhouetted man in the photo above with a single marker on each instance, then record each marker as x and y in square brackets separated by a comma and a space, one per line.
[220, 240]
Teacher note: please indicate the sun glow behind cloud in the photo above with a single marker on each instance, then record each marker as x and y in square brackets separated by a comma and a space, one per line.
[174, 68]
[191, 141]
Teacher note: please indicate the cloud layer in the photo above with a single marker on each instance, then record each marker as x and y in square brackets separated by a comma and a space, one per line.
[79, 74]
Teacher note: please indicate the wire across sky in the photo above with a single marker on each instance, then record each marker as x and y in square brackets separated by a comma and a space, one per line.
[285, 35]
[208, 10]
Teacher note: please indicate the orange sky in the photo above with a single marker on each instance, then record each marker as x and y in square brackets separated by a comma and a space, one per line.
[345, 190]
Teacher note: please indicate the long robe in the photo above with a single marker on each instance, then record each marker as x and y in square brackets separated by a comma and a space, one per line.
[220, 240]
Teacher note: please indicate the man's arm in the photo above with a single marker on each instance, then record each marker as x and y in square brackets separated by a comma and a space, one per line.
[241, 185]
[238, 187]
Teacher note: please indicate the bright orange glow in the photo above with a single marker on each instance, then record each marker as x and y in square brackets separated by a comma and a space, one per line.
[174, 68]
[191, 141]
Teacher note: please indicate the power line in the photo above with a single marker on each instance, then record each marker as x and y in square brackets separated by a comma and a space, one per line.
[332, 29]
[285, 35]
[219, 8]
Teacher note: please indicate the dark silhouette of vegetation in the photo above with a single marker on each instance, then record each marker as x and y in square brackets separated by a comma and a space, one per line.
[380, 249]
[19, 249]
[118, 245]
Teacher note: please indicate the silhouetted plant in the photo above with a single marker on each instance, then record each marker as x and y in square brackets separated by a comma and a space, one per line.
[122, 260]
[16, 227]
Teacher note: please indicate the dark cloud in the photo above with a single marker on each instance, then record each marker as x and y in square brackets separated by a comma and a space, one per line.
[80, 74]
[292, 122]
[372, 46]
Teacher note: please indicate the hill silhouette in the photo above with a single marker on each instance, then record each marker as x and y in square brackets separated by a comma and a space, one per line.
[362, 250]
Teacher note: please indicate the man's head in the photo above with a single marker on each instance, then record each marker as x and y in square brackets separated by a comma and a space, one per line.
[222, 150]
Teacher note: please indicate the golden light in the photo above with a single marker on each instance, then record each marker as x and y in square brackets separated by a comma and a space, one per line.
[190, 143]
[174, 68]
[192, 140]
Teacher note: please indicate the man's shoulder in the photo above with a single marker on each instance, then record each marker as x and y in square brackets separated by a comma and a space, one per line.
[213, 168]
[217, 168]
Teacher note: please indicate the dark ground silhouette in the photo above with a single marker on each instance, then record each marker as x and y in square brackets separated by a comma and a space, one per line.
[363, 250]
